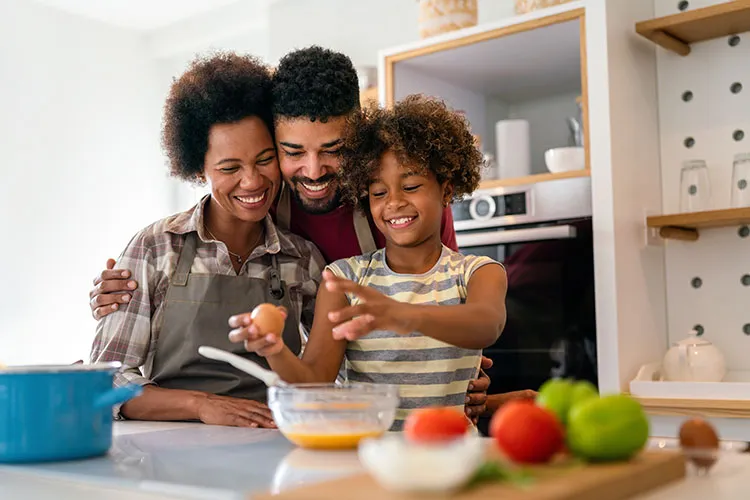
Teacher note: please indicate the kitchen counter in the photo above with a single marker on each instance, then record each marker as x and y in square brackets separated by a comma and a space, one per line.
[166, 461]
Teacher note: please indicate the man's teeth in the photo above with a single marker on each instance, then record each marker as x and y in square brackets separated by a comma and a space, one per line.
[316, 187]
[402, 220]
[252, 199]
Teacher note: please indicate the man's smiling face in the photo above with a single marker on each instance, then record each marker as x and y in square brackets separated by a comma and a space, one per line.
[309, 160]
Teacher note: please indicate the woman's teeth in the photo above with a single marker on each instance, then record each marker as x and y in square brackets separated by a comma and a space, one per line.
[252, 199]
[401, 220]
[316, 187]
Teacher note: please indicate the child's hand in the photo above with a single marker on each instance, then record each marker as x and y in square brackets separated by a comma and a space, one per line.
[245, 331]
[374, 312]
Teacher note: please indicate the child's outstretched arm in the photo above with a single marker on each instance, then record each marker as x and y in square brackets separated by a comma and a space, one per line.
[323, 354]
[473, 325]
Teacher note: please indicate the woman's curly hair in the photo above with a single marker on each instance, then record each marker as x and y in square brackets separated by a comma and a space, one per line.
[219, 88]
[315, 83]
[423, 133]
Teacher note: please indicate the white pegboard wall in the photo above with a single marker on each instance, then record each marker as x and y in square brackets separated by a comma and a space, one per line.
[705, 278]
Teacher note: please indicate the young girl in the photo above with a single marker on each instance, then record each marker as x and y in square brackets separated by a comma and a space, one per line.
[378, 311]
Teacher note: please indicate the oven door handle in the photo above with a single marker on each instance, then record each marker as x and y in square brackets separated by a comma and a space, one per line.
[516, 236]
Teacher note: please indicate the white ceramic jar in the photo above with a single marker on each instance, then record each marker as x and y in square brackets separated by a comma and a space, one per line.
[694, 360]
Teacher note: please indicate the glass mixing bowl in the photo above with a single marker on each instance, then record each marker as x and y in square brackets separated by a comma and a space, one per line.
[331, 416]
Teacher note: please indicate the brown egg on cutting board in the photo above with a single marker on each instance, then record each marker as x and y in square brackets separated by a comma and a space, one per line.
[268, 318]
[700, 442]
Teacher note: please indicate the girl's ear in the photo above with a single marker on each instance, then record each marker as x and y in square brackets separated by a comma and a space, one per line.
[447, 193]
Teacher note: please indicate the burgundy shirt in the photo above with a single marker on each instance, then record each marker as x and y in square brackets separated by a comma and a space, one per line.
[334, 235]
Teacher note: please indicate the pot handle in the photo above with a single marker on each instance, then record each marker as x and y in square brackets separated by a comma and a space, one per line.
[117, 395]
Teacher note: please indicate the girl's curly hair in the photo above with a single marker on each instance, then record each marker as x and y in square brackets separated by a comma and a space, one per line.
[423, 133]
[217, 88]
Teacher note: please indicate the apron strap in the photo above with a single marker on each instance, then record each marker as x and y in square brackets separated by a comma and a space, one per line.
[364, 233]
[185, 262]
[275, 286]
[284, 208]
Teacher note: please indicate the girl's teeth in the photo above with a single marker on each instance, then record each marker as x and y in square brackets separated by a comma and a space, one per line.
[251, 199]
[316, 187]
[402, 220]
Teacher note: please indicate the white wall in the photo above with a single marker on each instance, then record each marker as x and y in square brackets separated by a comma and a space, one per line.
[624, 149]
[359, 28]
[472, 104]
[79, 131]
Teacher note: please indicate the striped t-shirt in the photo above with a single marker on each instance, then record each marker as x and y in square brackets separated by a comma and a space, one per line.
[428, 371]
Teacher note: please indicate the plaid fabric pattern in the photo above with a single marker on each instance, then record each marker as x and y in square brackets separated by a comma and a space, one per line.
[129, 334]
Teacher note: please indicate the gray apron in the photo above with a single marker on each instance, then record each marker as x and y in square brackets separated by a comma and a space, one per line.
[361, 228]
[196, 310]
[361, 224]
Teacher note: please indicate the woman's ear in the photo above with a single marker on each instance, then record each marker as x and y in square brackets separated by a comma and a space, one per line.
[447, 193]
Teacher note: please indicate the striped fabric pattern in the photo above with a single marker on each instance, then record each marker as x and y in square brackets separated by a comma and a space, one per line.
[429, 372]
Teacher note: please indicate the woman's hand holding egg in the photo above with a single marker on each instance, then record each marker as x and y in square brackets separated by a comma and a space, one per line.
[260, 330]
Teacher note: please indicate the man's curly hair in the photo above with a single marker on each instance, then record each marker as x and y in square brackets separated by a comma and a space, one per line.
[423, 133]
[219, 88]
[316, 83]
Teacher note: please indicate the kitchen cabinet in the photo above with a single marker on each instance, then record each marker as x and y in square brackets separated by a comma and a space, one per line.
[661, 82]
[530, 67]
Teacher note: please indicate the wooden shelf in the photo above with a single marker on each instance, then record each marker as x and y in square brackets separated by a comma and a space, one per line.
[531, 179]
[706, 408]
[678, 31]
[685, 226]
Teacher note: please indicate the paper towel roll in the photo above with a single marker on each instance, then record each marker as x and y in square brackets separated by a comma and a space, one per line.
[513, 156]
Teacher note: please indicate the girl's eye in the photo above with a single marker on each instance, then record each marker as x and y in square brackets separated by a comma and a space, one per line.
[377, 194]
[230, 170]
[411, 188]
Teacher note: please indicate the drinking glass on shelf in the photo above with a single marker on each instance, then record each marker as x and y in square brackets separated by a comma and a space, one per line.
[741, 180]
[695, 189]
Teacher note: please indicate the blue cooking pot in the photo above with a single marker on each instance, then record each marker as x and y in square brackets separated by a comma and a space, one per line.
[58, 412]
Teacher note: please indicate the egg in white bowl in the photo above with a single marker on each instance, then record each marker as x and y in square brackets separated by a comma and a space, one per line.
[400, 465]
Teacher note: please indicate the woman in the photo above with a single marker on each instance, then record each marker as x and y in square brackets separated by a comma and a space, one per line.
[197, 268]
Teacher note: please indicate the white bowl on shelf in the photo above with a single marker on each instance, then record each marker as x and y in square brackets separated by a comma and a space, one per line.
[565, 159]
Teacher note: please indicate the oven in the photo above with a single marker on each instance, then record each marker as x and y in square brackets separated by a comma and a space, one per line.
[542, 234]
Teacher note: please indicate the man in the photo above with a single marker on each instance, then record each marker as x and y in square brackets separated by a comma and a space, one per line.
[314, 92]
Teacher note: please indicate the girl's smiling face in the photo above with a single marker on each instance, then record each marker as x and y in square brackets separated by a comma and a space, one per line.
[406, 203]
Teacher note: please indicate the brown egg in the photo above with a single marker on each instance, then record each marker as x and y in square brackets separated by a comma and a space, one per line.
[700, 442]
[268, 319]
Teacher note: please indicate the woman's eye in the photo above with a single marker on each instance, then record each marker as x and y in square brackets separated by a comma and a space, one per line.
[265, 161]
[230, 170]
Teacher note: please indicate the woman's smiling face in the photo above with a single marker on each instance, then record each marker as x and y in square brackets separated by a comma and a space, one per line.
[241, 168]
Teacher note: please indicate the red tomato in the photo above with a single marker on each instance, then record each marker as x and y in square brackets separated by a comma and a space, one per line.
[435, 424]
[527, 433]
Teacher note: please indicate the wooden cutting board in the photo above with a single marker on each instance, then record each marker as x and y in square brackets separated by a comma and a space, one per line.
[612, 481]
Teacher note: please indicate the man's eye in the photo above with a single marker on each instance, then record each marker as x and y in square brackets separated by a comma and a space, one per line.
[334, 152]
[295, 153]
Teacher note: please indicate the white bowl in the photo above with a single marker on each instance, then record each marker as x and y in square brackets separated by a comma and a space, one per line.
[565, 159]
[399, 465]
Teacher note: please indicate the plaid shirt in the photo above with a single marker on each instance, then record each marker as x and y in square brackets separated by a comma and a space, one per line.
[129, 334]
